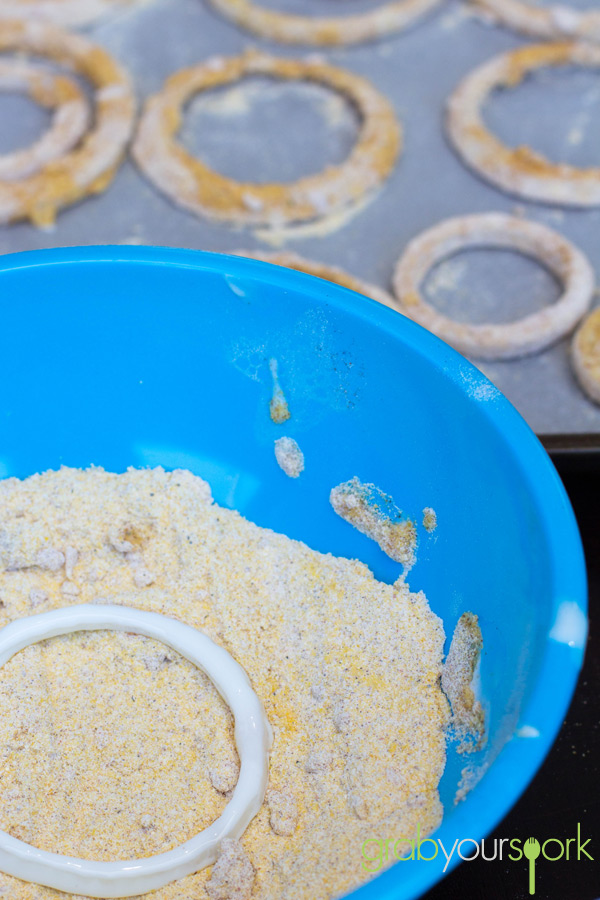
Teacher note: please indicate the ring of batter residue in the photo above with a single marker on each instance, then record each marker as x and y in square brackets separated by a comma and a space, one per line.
[252, 737]
[65, 13]
[193, 185]
[585, 355]
[320, 270]
[522, 337]
[554, 22]
[89, 166]
[69, 120]
[386, 19]
[519, 170]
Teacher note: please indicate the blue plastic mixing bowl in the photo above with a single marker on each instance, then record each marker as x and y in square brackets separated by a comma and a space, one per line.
[125, 356]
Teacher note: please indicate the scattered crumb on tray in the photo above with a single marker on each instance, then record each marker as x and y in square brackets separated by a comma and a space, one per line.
[373, 513]
[468, 721]
[114, 746]
[289, 456]
[429, 519]
[278, 407]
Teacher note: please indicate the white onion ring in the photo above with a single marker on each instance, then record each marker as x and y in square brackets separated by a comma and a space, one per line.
[252, 738]
[519, 338]
[585, 355]
[519, 170]
[386, 19]
[193, 185]
[69, 121]
[89, 167]
[554, 22]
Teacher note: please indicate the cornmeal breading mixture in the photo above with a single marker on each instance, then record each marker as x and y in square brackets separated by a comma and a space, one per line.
[113, 746]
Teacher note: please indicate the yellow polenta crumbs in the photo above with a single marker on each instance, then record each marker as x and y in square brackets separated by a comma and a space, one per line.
[113, 746]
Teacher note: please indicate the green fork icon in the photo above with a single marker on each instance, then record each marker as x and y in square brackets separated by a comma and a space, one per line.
[531, 849]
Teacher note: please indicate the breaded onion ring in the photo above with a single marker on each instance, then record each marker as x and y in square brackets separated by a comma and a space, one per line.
[386, 19]
[585, 355]
[519, 170]
[69, 121]
[321, 270]
[65, 13]
[193, 185]
[554, 22]
[89, 166]
[519, 338]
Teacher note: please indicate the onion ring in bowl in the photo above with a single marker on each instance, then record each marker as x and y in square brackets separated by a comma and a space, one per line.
[253, 738]
[192, 184]
[69, 121]
[555, 22]
[585, 355]
[522, 337]
[519, 170]
[88, 167]
[65, 13]
[386, 19]
[321, 270]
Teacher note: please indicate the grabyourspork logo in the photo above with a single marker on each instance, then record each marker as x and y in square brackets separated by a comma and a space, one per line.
[378, 852]
[532, 849]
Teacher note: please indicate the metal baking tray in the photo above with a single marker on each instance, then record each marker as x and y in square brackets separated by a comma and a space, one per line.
[267, 131]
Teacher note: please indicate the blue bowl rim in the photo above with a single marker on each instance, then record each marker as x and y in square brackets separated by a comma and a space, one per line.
[517, 763]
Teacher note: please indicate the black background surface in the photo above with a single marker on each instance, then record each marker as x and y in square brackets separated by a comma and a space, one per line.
[566, 789]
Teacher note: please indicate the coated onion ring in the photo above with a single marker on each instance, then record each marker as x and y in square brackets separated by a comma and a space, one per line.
[585, 355]
[89, 167]
[388, 18]
[193, 185]
[252, 737]
[554, 22]
[65, 13]
[520, 170]
[69, 121]
[522, 337]
[321, 270]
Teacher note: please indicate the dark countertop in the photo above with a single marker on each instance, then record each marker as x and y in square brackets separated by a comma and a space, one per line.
[566, 790]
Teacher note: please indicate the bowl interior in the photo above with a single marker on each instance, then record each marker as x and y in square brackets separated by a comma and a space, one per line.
[142, 356]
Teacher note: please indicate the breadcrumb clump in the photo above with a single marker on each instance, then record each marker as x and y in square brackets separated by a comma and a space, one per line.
[224, 778]
[468, 720]
[283, 811]
[232, 875]
[113, 746]
[429, 519]
[289, 456]
[278, 407]
[361, 506]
